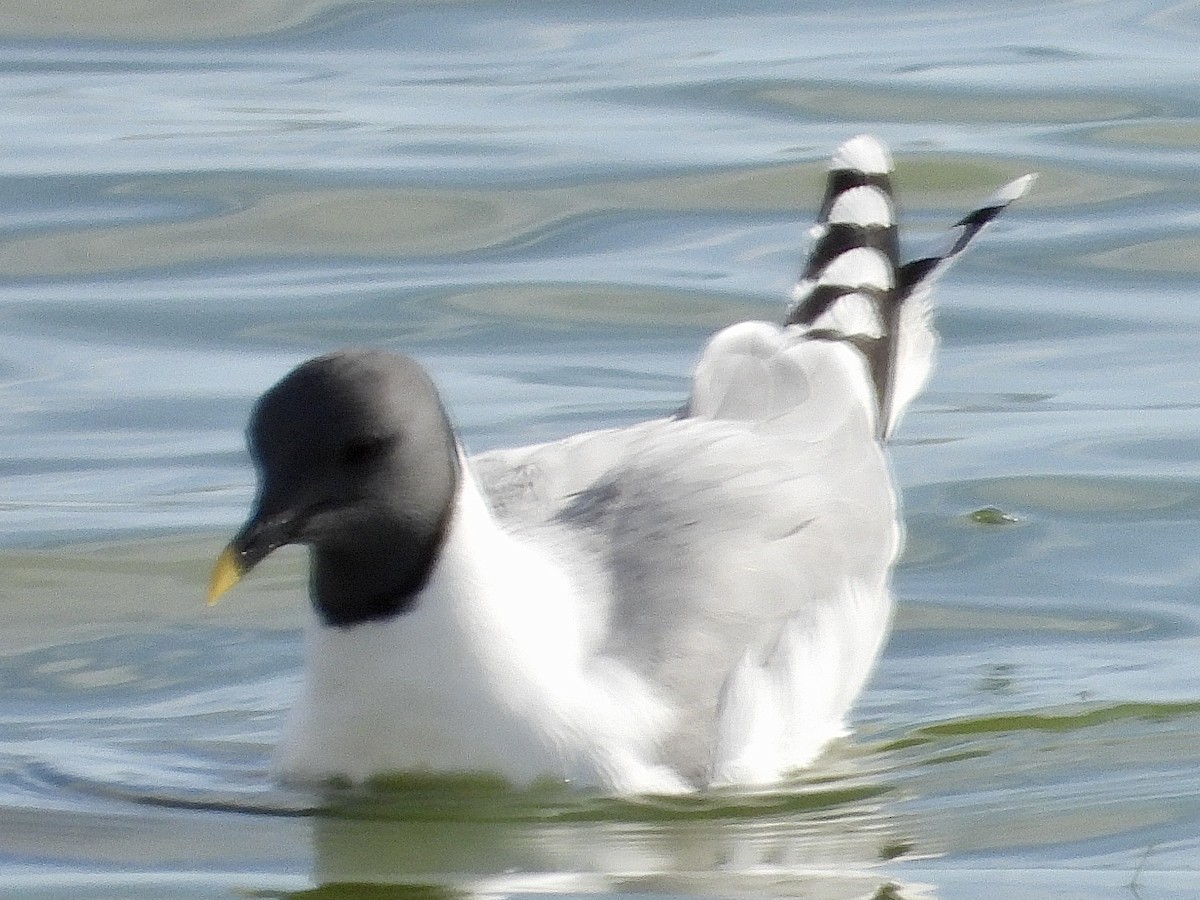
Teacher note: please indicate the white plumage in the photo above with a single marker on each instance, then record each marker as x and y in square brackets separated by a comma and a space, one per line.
[692, 601]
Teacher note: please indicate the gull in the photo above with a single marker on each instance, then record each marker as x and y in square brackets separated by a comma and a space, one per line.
[692, 602]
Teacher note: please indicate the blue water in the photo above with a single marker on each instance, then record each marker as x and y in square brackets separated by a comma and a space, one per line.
[552, 205]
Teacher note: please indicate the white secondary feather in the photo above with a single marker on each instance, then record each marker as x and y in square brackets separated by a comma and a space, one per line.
[863, 153]
[865, 205]
[853, 315]
[860, 267]
[916, 348]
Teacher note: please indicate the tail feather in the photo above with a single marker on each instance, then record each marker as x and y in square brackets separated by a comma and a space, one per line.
[854, 287]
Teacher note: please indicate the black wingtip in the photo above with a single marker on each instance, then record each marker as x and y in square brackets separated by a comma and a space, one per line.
[854, 288]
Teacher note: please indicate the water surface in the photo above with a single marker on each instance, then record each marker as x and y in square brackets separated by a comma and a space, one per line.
[552, 204]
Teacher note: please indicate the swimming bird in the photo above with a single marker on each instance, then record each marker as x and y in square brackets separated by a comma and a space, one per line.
[693, 601]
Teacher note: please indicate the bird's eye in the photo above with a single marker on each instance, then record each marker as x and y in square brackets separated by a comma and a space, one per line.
[362, 450]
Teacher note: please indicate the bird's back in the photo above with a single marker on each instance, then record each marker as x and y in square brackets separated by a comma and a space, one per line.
[702, 537]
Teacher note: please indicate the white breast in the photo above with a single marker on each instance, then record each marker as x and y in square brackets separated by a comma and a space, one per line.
[493, 670]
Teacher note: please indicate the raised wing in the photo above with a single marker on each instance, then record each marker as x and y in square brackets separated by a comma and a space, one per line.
[854, 288]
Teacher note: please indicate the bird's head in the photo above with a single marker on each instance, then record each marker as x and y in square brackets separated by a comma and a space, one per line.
[356, 458]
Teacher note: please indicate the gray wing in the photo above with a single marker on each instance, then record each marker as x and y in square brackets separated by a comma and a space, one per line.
[702, 536]
[729, 537]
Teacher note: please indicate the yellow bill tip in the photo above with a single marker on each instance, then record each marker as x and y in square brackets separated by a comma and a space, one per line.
[225, 574]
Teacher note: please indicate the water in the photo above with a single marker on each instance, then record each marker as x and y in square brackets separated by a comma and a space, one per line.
[552, 204]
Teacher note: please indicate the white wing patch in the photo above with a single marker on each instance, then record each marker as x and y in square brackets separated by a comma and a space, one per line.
[853, 315]
[863, 153]
[862, 267]
[914, 352]
[865, 205]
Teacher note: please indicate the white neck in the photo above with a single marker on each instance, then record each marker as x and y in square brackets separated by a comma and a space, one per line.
[491, 670]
